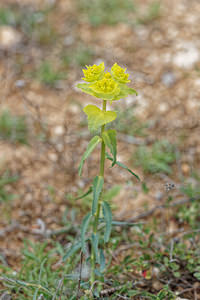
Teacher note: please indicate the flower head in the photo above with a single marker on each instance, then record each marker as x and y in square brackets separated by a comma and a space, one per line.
[93, 73]
[106, 88]
[119, 74]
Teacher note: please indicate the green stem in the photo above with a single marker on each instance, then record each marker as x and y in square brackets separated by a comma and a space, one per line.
[96, 217]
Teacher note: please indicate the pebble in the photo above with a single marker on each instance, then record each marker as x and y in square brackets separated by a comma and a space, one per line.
[185, 169]
[20, 83]
[59, 130]
[168, 79]
[9, 38]
[187, 55]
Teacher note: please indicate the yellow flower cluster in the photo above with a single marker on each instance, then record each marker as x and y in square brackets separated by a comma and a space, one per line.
[119, 74]
[93, 73]
[107, 86]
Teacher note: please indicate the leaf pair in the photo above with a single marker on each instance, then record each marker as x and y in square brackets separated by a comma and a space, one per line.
[97, 117]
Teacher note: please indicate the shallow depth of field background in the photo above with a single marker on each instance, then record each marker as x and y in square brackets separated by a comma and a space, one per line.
[43, 130]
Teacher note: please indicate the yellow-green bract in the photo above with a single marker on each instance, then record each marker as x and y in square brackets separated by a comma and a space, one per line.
[106, 86]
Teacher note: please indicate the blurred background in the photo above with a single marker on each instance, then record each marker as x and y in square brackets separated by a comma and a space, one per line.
[43, 132]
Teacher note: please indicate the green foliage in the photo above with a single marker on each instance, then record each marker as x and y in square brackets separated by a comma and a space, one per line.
[153, 13]
[13, 128]
[108, 12]
[7, 16]
[47, 74]
[157, 159]
[84, 227]
[123, 166]
[97, 117]
[108, 220]
[109, 138]
[91, 146]
[97, 189]
[189, 213]
[128, 123]
[83, 55]
[36, 278]
[87, 197]
[5, 180]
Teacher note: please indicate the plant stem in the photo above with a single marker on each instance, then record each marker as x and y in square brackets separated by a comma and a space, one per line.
[96, 217]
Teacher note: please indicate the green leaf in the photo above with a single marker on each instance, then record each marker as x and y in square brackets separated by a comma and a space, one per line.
[92, 144]
[120, 223]
[108, 219]
[95, 243]
[84, 227]
[89, 191]
[125, 91]
[97, 117]
[72, 250]
[197, 275]
[97, 188]
[102, 260]
[109, 138]
[122, 166]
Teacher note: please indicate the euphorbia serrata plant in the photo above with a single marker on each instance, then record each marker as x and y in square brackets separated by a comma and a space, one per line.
[107, 86]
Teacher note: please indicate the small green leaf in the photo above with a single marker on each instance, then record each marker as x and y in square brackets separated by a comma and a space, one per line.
[119, 223]
[97, 188]
[197, 275]
[92, 144]
[108, 219]
[97, 117]
[84, 227]
[89, 191]
[102, 260]
[72, 250]
[109, 138]
[95, 243]
[122, 166]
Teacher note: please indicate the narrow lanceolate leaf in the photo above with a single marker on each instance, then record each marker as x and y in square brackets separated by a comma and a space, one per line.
[95, 243]
[109, 138]
[72, 250]
[97, 117]
[97, 188]
[102, 260]
[84, 227]
[89, 191]
[122, 166]
[92, 144]
[108, 219]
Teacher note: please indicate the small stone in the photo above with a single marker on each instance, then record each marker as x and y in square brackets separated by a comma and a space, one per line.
[9, 38]
[20, 83]
[68, 40]
[53, 157]
[187, 55]
[168, 79]
[59, 130]
[185, 169]
[163, 107]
